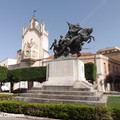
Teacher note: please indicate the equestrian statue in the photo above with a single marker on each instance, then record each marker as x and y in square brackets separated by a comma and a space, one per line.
[73, 41]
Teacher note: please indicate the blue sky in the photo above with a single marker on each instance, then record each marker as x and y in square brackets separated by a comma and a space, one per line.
[102, 15]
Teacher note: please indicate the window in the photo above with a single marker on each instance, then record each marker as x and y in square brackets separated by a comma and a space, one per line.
[113, 69]
[105, 71]
[109, 67]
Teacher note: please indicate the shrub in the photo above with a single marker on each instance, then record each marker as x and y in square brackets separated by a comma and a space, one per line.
[12, 107]
[90, 71]
[7, 96]
[3, 75]
[26, 74]
[103, 113]
[29, 74]
[116, 113]
[59, 111]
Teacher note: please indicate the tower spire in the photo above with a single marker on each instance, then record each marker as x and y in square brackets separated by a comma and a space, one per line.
[34, 13]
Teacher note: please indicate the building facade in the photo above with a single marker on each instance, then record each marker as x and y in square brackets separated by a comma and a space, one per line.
[34, 45]
[107, 61]
[34, 50]
[108, 68]
[7, 62]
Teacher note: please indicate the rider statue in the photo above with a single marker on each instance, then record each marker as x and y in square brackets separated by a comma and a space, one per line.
[73, 30]
[73, 41]
[55, 45]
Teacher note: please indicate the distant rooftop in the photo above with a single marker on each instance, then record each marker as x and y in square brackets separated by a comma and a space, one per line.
[111, 52]
[108, 49]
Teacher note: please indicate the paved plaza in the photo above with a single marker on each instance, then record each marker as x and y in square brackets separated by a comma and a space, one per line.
[11, 118]
[32, 118]
[8, 116]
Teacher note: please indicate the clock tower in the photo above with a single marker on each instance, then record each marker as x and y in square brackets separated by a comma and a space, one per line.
[34, 43]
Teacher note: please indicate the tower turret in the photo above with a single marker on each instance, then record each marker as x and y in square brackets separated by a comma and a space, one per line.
[34, 42]
[33, 22]
[24, 29]
[42, 26]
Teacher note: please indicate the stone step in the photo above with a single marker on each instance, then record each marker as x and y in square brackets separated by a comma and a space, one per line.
[65, 88]
[44, 100]
[57, 88]
[66, 97]
[36, 88]
[63, 92]
[69, 92]
[82, 89]
[34, 91]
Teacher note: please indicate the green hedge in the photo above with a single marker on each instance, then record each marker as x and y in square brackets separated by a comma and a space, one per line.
[3, 73]
[90, 71]
[27, 74]
[7, 96]
[116, 113]
[39, 73]
[59, 111]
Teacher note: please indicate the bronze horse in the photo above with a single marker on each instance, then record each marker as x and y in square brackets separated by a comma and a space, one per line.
[80, 39]
[73, 45]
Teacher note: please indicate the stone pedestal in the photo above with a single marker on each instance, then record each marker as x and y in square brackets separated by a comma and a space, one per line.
[65, 84]
[65, 72]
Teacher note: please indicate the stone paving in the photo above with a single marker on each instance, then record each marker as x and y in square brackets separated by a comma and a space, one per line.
[7, 116]
[15, 118]
[10, 118]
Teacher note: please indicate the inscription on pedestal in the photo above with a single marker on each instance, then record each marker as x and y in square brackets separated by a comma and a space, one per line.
[65, 72]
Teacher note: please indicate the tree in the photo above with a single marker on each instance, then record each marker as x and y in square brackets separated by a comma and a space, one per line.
[10, 79]
[27, 74]
[3, 75]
